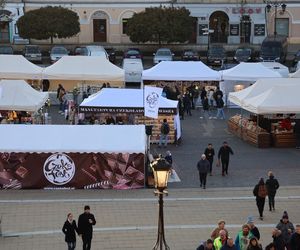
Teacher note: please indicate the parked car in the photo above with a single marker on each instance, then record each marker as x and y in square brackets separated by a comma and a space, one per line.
[95, 50]
[296, 58]
[58, 52]
[6, 50]
[133, 70]
[274, 49]
[163, 54]
[133, 53]
[243, 55]
[216, 56]
[32, 53]
[111, 54]
[190, 55]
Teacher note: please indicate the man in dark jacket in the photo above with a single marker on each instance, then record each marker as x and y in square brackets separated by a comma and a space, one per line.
[207, 245]
[210, 153]
[277, 239]
[220, 107]
[86, 221]
[203, 168]
[287, 229]
[229, 245]
[223, 154]
[272, 186]
[295, 239]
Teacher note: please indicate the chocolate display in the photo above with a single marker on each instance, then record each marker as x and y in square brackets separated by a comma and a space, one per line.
[62, 170]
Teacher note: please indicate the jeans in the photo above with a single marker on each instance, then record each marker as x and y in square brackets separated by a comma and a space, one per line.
[260, 203]
[206, 113]
[220, 113]
[163, 139]
[71, 245]
[225, 164]
[202, 177]
[210, 165]
[271, 202]
[86, 244]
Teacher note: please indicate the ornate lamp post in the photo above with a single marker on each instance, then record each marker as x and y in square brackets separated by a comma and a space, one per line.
[161, 169]
[275, 4]
[207, 31]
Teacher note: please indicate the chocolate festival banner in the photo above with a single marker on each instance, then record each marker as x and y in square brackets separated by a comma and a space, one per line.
[71, 171]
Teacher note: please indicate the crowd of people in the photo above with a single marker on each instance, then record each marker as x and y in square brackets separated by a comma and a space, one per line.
[284, 237]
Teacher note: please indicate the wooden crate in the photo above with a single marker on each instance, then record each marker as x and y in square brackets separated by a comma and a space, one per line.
[284, 140]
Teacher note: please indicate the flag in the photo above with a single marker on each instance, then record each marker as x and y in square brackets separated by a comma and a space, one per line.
[151, 101]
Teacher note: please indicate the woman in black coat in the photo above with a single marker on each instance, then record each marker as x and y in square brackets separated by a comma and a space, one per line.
[260, 192]
[69, 230]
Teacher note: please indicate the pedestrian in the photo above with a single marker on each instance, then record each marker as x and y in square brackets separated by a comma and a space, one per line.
[287, 229]
[86, 221]
[70, 229]
[220, 107]
[169, 157]
[180, 107]
[260, 192]
[243, 238]
[254, 245]
[207, 245]
[278, 239]
[187, 104]
[272, 186]
[270, 246]
[221, 226]
[210, 153]
[211, 97]
[229, 245]
[253, 229]
[164, 131]
[220, 241]
[203, 94]
[297, 133]
[72, 116]
[295, 239]
[203, 168]
[205, 105]
[223, 154]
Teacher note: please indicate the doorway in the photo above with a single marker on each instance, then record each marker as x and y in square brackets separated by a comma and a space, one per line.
[245, 29]
[100, 31]
[219, 22]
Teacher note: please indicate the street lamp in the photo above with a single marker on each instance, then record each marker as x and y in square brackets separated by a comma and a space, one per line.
[161, 169]
[275, 4]
[207, 32]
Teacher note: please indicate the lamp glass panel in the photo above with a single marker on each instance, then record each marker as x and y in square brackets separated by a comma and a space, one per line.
[161, 178]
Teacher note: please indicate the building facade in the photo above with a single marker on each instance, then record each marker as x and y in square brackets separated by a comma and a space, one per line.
[104, 21]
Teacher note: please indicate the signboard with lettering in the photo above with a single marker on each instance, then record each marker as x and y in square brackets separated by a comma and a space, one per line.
[247, 10]
[234, 29]
[259, 29]
[201, 27]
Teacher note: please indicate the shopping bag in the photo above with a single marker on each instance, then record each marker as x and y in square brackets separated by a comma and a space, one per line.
[173, 177]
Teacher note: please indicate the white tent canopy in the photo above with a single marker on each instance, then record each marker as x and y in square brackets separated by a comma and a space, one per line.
[85, 68]
[275, 101]
[249, 72]
[18, 95]
[296, 74]
[75, 139]
[277, 67]
[127, 98]
[259, 87]
[18, 67]
[181, 71]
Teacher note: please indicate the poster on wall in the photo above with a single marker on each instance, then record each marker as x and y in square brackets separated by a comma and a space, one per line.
[201, 27]
[234, 29]
[71, 171]
[259, 29]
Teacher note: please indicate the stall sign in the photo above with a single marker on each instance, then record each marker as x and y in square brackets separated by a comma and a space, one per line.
[123, 110]
[246, 10]
[259, 29]
[234, 29]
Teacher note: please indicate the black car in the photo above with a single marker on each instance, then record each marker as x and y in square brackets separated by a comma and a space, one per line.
[243, 55]
[111, 54]
[133, 53]
[80, 51]
[6, 50]
[190, 55]
[216, 56]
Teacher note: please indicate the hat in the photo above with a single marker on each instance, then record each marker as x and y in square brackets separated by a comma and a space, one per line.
[285, 215]
[250, 219]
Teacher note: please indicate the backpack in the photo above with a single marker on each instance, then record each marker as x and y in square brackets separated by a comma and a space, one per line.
[262, 191]
[165, 129]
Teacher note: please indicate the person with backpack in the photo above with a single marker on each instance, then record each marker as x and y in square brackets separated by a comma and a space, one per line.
[260, 192]
[220, 107]
[272, 186]
[164, 131]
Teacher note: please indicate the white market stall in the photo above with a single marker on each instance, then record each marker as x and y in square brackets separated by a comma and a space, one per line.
[243, 75]
[126, 106]
[18, 67]
[88, 157]
[75, 71]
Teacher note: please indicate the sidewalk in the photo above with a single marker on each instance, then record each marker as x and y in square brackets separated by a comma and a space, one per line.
[32, 219]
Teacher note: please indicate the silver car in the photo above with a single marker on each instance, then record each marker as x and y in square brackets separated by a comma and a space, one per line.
[32, 53]
[163, 54]
[58, 52]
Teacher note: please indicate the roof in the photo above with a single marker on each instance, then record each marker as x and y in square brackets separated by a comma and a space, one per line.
[73, 138]
[181, 71]
[18, 95]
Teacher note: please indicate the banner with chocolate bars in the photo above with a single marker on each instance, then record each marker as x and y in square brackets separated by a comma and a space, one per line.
[71, 170]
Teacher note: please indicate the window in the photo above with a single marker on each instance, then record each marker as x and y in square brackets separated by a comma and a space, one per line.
[282, 26]
[124, 25]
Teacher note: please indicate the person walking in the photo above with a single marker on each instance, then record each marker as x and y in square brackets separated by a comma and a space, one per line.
[220, 241]
[187, 103]
[287, 229]
[221, 226]
[164, 131]
[295, 239]
[223, 154]
[272, 186]
[220, 107]
[86, 221]
[207, 245]
[229, 245]
[203, 168]
[169, 157]
[210, 153]
[253, 229]
[205, 105]
[243, 238]
[260, 192]
[278, 239]
[70, 229]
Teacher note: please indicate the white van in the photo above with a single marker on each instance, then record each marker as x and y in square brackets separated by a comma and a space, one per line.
[133, 70]
[95, 50]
